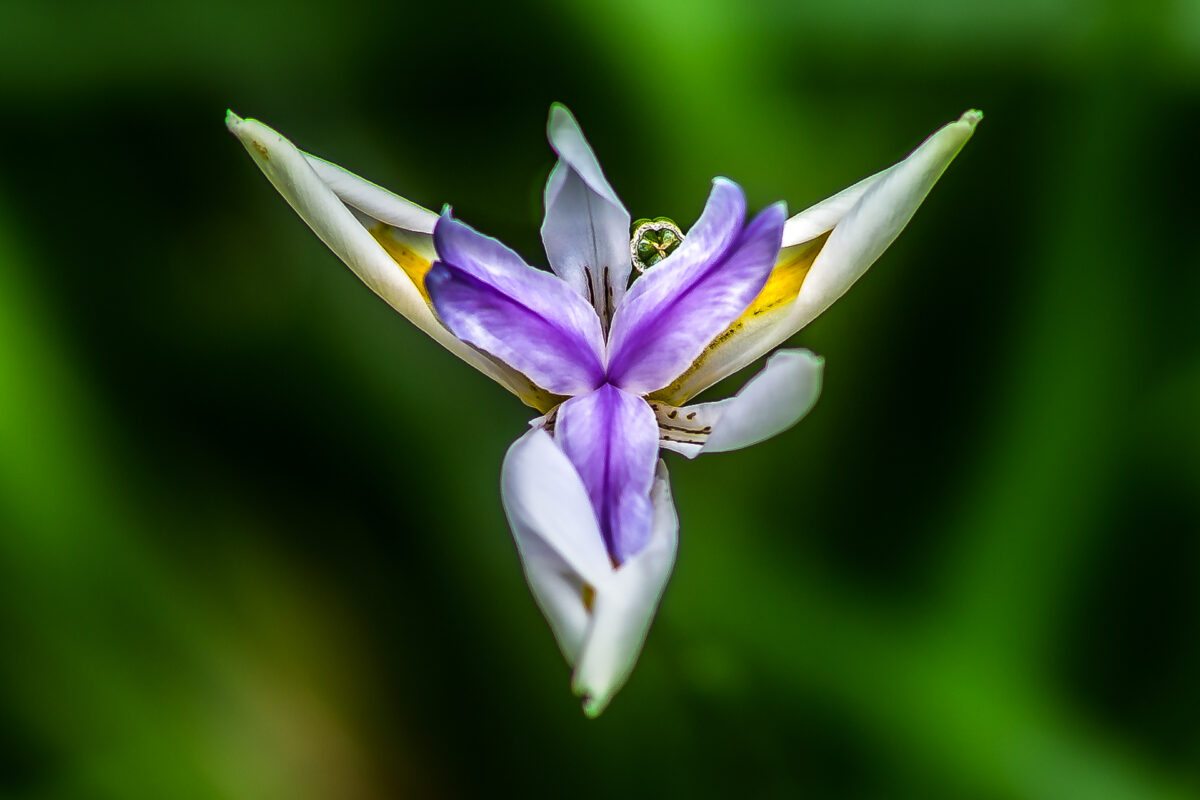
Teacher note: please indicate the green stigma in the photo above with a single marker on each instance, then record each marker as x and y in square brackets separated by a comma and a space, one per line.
[652, 241]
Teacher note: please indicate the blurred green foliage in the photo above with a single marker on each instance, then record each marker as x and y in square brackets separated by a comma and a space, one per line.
[250, 536]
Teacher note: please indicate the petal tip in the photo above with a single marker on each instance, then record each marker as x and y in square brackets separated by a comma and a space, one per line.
[232, 120]
[971, 117]
[592, 707]
[560, 123]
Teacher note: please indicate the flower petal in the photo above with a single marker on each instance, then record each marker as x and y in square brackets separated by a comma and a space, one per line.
[673, 311]
[372, 199]
[823, 216]
[864, 219]
[528, 319]
[612, 439]
[771, 402]
[345, 231]
[874, 222]
[625, 606]
[562, 552]
[586, 229]
[599, 615]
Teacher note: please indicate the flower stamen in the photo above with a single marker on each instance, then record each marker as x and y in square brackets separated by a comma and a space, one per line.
[652, 241]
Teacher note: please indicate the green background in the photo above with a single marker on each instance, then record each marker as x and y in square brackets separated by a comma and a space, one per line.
[251, 543]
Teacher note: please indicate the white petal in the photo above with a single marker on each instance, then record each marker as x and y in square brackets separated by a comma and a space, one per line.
[343, 231]
[586, 229]
[625, 606]
[556, 533]
[874, 222]
[823, 216]
[865, 219]
[373, 200]
[771, 402]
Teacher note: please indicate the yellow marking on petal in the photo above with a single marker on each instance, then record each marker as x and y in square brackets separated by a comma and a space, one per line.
[589, 597]
[413, 265]
[780, 290]
[535, 396]
[787, 277]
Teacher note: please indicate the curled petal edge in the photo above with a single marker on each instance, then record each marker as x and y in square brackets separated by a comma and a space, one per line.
[771, 402]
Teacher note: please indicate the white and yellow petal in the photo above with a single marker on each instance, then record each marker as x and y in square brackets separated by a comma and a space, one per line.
[385, 239]
[826, 248]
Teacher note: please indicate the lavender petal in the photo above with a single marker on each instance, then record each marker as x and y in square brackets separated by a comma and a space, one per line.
[527, 332]
[611, 437]
[678, 307]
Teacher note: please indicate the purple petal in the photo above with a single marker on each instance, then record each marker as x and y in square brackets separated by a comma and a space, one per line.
[677, 308]
[527, 318]
[611, 437]
[586, 230]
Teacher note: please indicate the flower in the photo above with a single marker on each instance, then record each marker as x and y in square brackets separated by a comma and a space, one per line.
[612, 364]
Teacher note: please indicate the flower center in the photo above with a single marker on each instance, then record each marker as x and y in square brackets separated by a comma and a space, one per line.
[652, 241]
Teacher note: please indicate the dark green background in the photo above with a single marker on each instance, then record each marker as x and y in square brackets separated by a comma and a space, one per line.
[251, 543]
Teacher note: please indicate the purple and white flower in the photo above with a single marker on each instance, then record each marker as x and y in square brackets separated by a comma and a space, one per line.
[609, 364]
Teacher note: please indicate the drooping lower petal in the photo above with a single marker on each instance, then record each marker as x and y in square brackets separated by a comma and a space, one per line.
[625, 606]
[586, 229]
[771, 402]
[612, 439]
[675, 309]
[600, 615]
[557, 536]
[527, 329]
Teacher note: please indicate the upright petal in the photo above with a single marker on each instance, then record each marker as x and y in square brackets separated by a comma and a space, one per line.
[826, 249]
[624, 607]
[673, 312]
[383, 238]
[556, 533]
[612, 439]
[771, 402]
[586, 229]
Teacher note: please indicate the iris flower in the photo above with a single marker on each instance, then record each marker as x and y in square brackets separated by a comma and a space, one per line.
[610, 364]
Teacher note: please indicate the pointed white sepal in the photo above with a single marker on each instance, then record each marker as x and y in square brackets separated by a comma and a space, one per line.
[372, 199]
[876, 218]
[586, 228]
[771, 402]
[599, 615]
[861, 221]
[340, 207]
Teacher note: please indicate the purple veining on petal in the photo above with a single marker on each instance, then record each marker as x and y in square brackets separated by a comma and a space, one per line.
[611, 436]
[678, 307]
[526, 329]
[490, 261]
